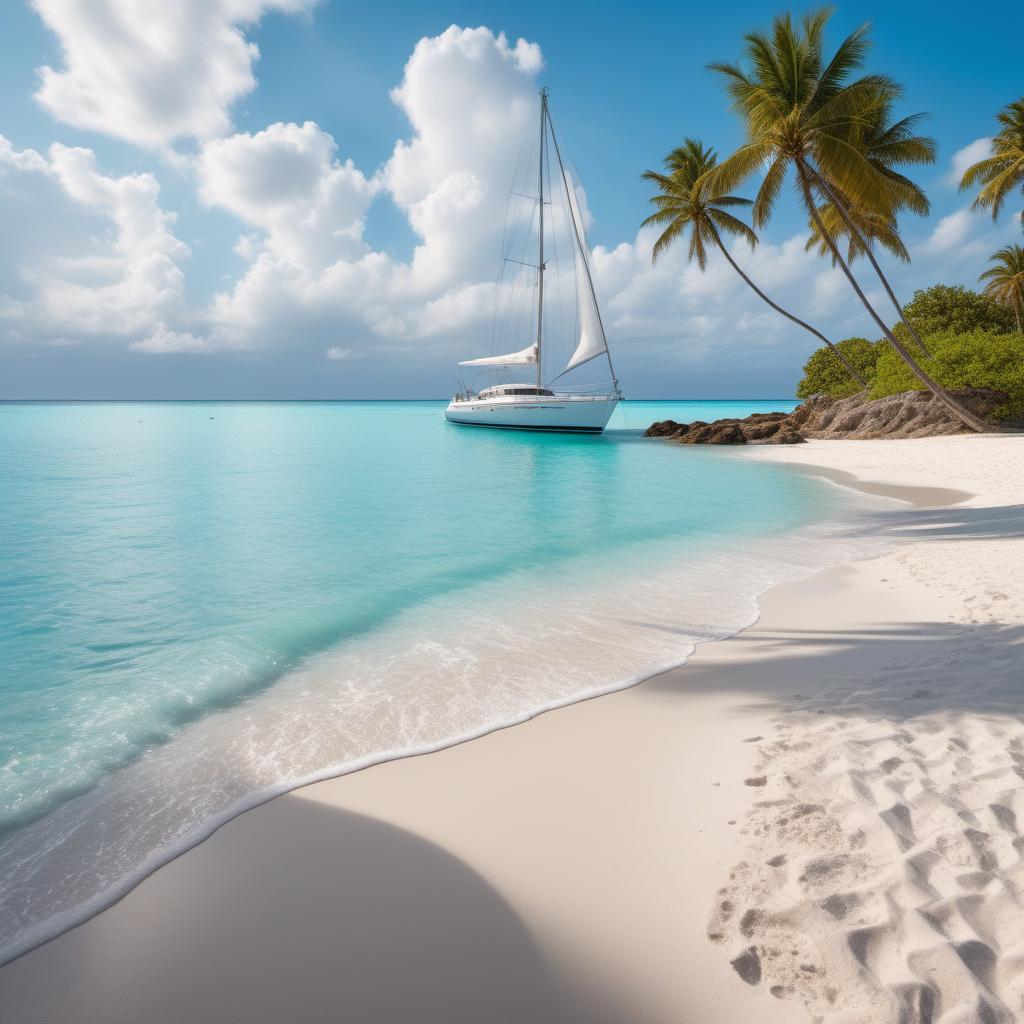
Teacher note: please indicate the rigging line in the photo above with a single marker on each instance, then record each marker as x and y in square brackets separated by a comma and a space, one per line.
[512, 311]
[527, 235]
[496, 314]
[521, 296]
[497, 306]
[540, 254]
[512, 192]
[506, 287]
[585, 254]
[558, 313]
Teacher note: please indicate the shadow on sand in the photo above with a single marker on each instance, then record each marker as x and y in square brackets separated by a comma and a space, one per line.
[1001, 522]
[308, 913]
[900, 671]
[972, 667]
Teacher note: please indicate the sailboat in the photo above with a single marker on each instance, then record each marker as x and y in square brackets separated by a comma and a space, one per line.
[543, 403]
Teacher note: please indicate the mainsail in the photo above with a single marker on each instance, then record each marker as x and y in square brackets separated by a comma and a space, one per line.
[591, 342]
[524, 357]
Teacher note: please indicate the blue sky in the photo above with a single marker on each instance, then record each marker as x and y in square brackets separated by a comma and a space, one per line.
[626, 86]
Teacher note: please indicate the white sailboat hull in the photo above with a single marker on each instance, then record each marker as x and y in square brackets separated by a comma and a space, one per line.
[574, 414]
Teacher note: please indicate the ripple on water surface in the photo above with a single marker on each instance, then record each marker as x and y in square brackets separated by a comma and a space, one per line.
[198, 613]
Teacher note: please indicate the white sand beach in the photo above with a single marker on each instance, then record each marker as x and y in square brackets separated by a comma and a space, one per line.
[834, 796]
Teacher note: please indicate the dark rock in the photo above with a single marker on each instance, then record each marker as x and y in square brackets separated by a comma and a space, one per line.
[726, 433]
[910, 414]
[664, 428]
[785, 435]
[719, 432]
[759, 430]
[766, 417]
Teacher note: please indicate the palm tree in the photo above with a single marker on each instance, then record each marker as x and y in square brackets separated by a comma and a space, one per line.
[871, 227]
[686, 205]
[805, 115]
[1003, 171]
[885, 144]
[1006, 280]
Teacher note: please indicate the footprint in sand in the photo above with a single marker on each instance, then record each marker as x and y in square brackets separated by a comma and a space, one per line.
[903, 882]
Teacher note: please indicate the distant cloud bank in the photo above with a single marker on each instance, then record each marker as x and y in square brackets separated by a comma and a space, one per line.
[94, 259]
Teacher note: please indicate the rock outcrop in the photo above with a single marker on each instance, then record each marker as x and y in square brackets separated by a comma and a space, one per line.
[761, 428]
[910, 414]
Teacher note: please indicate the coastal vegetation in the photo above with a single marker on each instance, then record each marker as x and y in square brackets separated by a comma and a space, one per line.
[825, 375]
[805, 115]
[972, 342]
[819, 121]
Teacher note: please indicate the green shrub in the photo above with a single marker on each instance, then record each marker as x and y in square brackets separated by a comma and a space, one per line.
[953, 308]
[976, 359]
[825, 374]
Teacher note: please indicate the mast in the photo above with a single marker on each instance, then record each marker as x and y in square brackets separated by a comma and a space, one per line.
[540, 260]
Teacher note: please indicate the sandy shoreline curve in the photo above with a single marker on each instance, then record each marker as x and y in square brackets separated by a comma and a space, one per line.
[566, 868]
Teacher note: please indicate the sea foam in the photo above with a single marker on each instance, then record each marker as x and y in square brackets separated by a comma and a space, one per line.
[446, 669]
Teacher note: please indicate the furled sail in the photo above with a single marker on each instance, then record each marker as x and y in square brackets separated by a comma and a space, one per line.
[524, 357]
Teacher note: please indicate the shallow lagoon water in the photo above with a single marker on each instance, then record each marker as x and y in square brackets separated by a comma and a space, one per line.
[203, 604]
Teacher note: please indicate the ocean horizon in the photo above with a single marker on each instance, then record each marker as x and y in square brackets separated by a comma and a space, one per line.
[205, 604]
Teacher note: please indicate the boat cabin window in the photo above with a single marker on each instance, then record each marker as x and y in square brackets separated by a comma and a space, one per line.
[507, 389]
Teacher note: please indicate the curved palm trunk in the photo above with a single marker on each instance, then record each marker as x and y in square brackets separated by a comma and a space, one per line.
[850, 368]
[964, 415]
[1016, 313]
[855, 232]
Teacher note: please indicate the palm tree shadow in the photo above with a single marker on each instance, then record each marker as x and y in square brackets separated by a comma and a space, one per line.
[901, 671]
[302, 912]
[1000, 522]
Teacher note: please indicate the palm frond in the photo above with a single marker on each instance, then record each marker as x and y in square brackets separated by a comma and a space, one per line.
[735, 169]
[768, 193]
[666, 238]
[733, 226]
[982, 171]
[848, 57]
[732, 201]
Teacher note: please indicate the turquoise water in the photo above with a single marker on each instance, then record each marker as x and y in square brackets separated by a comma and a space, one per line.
[205, 603]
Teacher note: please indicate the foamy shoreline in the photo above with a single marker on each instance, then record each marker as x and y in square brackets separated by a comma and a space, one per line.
[411, 689]
[573, 859]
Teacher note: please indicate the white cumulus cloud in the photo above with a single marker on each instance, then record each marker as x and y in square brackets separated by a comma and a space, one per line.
[94, 256]
[963, 158]
[951, 231]
[470, 96]
[151, 71]
[287, 181]
[85, 253]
